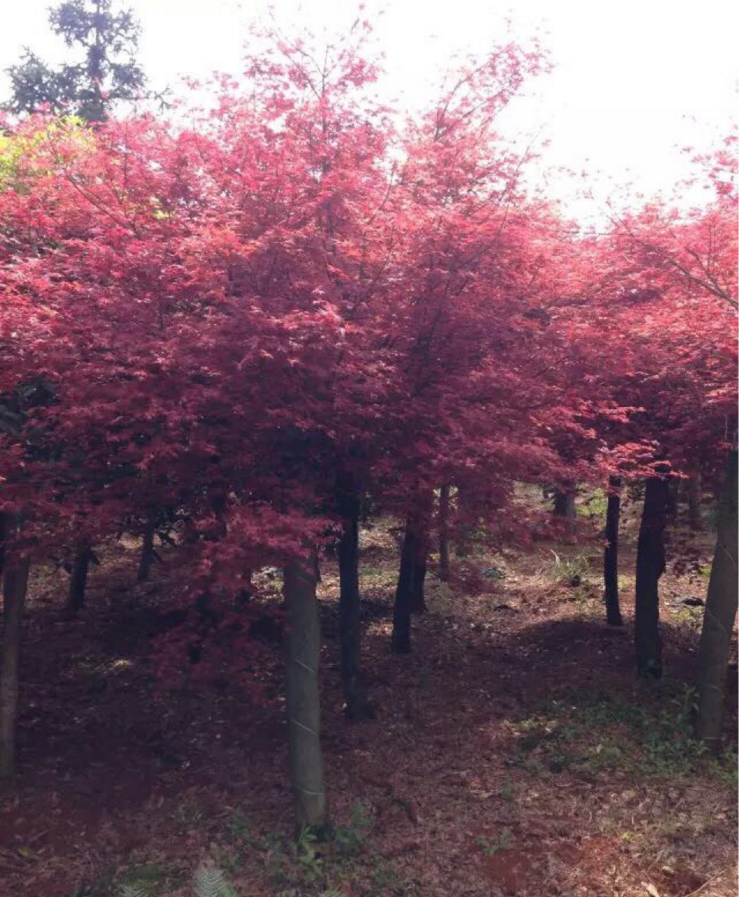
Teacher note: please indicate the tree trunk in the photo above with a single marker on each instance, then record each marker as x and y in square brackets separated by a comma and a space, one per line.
[246, 593]
[358, 705]
[564, 504]
[444, 534]
[719, 617]
[610, 556]
[650, 565]
[3, 536]
[15, 585]
[147, 547]
[695, 517]
[465, 520]
[418, 598]
[673, 497]
[78, 579]
[303, 644]
[401, 638]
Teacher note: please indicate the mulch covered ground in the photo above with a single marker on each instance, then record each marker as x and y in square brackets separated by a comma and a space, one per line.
[513, 751]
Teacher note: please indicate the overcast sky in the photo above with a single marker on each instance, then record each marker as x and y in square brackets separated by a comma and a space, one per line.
[634, 79]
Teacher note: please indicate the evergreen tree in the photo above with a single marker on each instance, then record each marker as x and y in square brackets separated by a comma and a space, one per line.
[107, 72]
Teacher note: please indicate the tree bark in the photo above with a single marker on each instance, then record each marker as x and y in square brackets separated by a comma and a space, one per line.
[15, 586]
[303, 644]
[245, 594]
[444, 533]
[719, 617]
[466, 526]
[3, 536]
[418, 598]
[610, 555]
[147, 547]
[673, 497]
[693, 489]
[358, 705]
[650, 565]
[564, 504]
[401, 637]
[78, 579]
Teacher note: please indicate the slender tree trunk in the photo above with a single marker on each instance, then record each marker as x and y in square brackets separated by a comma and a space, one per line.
[444, 533]
[15, 585]
[358, 705]
[418, 598]
[78, 579]
[564, 503]
[303, 643]
[693, 489]
[466, 525]
[146, 558]
[720, 614]
[650, 565]
[610, 557]
[673, 497]
[401, 638]
[245, 594]
[3, 535]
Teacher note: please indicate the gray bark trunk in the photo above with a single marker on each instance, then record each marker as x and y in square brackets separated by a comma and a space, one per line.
[673, 497]
[444, 534]
[15, 585]
[650, 565]
[303, 644]
[78, 579]
[720, 614]
[147, 548]
[564, 504]
[358, 705]
[3, 530]
[401, 636]
[695, 517]
[610, 556]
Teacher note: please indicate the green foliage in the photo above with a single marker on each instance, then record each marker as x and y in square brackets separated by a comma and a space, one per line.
[144, 880]
[191, 813]
[501, 841]
[28, 155]
[108, 71]
[506, 790]
[351, 839]
[306, 867]
[595, 506]
[240, 831]
[133, 891]
[569, 570]
[592, 732]
[211, 882]
[307, 856]
[690, 617]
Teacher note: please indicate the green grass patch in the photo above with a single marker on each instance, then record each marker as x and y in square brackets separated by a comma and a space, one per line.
[593, 732]
[305, 867]
[595, 505]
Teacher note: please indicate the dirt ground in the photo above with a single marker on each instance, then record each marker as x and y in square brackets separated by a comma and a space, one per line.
[513, 752]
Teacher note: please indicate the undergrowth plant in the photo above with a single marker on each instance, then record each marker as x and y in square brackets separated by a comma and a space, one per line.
[569, 570]
[593, 732]
[209, 881]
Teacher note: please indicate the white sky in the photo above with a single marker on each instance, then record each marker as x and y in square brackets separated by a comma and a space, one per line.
[634, 79]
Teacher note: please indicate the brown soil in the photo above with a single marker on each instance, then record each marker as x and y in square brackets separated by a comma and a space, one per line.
[120, 783]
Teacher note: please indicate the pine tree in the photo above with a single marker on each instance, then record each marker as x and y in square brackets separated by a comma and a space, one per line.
[107, 72]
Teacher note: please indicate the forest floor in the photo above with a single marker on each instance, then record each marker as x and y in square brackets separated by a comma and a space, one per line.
[513, 752]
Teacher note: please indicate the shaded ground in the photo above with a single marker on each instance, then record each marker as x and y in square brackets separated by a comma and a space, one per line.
[513, 751]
